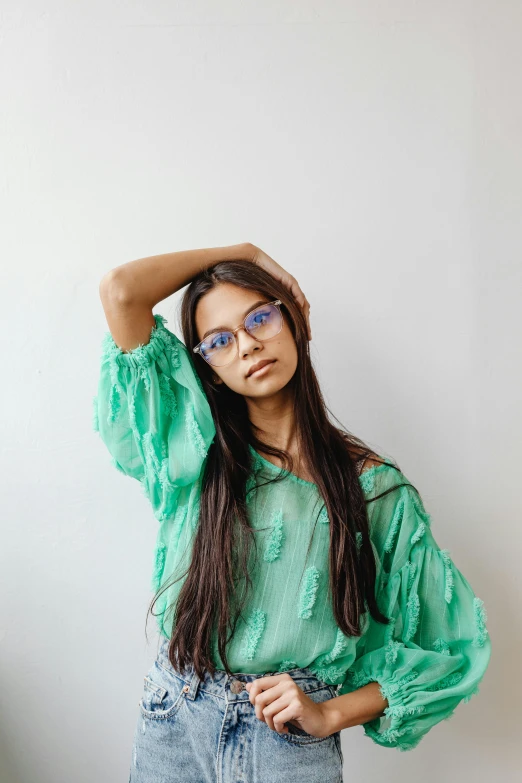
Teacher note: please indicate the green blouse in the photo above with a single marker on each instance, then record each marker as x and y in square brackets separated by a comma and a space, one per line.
[154, 418]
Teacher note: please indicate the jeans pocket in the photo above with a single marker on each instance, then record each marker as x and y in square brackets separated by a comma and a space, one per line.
[163, 693]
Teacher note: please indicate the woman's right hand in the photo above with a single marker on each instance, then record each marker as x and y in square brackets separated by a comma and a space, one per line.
[276, 270]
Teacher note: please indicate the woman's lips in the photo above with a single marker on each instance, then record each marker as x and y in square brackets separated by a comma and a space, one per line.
[262, 371]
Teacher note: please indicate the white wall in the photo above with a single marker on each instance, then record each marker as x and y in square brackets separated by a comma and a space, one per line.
[371, 147]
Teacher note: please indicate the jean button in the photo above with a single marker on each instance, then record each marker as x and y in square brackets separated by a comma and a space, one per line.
[236, 686]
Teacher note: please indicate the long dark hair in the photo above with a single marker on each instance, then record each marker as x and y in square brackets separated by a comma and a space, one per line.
[208, 599]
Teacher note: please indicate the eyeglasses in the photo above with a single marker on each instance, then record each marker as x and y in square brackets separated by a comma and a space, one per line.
[262, 323]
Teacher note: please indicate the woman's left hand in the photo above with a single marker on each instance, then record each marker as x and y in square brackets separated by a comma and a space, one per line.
[278, 700]
[265, 261]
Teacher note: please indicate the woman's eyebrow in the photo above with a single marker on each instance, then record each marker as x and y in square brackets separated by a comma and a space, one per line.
[227, 328]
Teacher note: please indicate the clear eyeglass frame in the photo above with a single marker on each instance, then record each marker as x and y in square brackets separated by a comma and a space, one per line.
[197, 348]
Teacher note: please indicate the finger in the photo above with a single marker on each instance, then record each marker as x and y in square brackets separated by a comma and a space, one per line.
[297, 293]
[271, 695]
[305, 307]
[279, 720]
[267, 697]
[302, 301]
[271, 711]
[263, 683]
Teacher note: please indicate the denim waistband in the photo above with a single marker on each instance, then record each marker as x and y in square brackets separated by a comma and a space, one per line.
[225, 686]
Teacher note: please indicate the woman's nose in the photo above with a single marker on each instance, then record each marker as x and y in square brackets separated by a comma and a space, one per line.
[246, 342]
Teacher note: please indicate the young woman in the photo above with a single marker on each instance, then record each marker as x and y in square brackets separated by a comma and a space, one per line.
[298, 585]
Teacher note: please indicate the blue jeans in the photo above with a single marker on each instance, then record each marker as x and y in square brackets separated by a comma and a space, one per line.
[206, 731]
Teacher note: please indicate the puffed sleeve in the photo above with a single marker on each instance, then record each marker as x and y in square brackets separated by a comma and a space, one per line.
[437, 648]
[153, 416]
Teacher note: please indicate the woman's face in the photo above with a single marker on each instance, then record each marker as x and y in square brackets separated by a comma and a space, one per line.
[225, 306]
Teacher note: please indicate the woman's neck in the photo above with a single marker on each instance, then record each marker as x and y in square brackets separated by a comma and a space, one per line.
[273, 419]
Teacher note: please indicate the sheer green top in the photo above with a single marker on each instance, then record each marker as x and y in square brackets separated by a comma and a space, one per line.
[154, 418]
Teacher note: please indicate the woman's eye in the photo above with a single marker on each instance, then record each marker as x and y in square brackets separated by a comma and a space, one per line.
[220, 341]
[260, 318]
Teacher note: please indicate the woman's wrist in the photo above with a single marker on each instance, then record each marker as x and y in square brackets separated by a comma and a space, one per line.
[352, 709]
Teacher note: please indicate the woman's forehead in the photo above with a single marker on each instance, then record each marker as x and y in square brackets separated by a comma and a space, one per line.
[225, 306]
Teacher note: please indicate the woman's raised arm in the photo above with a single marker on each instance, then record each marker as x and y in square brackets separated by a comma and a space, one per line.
[129, 291]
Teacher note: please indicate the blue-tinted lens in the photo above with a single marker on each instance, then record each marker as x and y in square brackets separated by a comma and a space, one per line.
[264, 321]
[218, 346]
